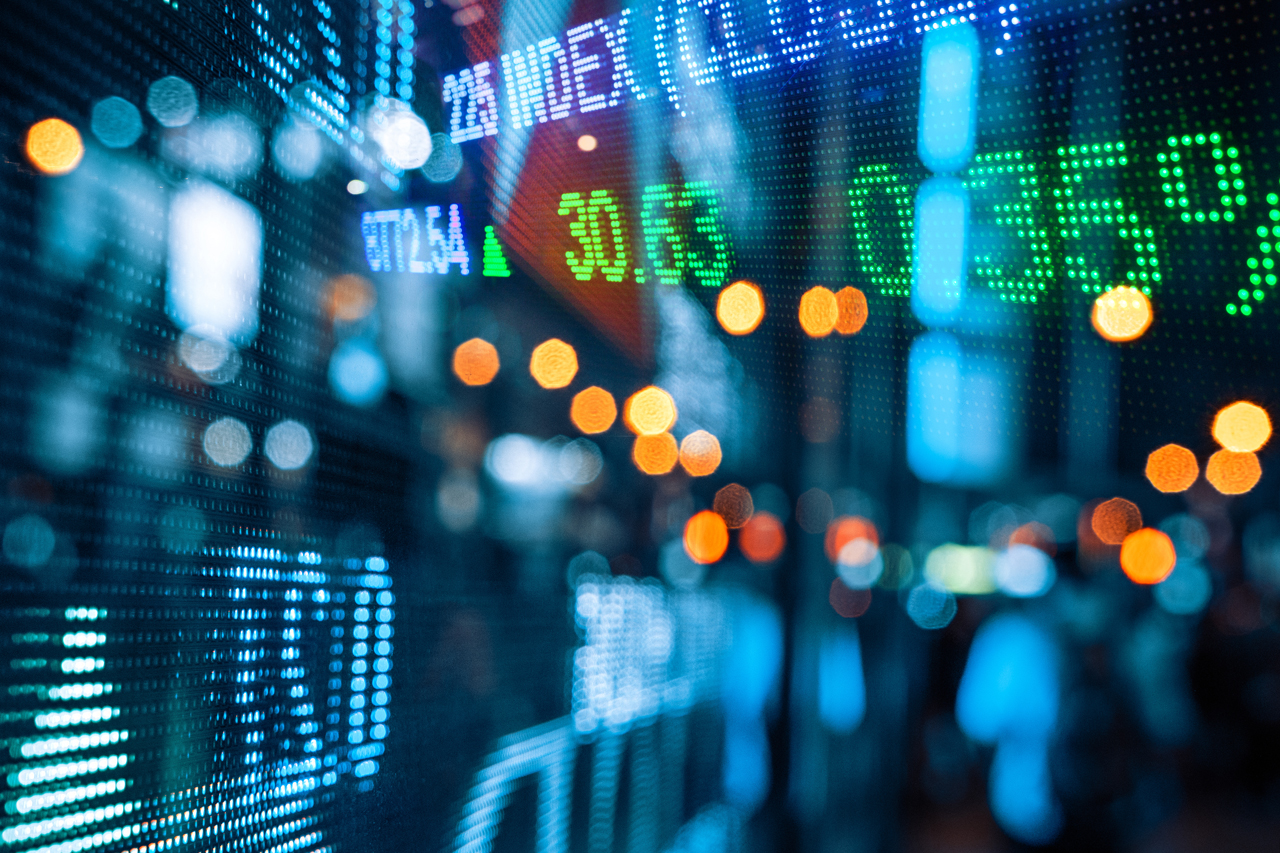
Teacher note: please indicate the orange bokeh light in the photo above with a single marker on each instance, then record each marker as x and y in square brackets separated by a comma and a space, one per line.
[553, 363]
[1242, 427]
[1122, 314]
[1172, 468]
[593, 410]
[655, 454]
[1147, 556]
[54, 147]
[740, 308]
[1036, 535]
[819, 312]
[475, 362]
[853, 311]
[700, 453]
[845, 529]
[705, 537]
[350, 298]
[649, 411]
[762, 538]
[1233, 473]
[1115, 519]
[734, 504]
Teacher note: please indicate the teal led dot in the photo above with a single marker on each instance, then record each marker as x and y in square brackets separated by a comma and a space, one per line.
[1231, 308]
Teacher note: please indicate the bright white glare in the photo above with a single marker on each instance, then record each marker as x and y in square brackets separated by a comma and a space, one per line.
[523, 462]
[28, 541]
[227, 442]
[297, 150]
[931, 607]
[860, 563]
[403, 135]
[172, 101]
[215, 261]
[458, 500]
[580, 461]
[357, 373]
[288, 445]
[115, 122]
[445, 161]
[355, 186]
[515, 460]
[1024, 571]
[1186, 590]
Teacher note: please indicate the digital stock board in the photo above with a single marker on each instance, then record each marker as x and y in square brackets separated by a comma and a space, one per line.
[669, 425]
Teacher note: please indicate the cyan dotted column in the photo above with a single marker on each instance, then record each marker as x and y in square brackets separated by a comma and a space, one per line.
[948, 121]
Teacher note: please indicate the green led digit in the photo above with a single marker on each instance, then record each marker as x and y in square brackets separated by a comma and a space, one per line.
[1173, 174]
[1262, 267]
[1015, 208]
[664, 213]
[709, 267]
[882, 258]
[1078, 213]
[589, 231]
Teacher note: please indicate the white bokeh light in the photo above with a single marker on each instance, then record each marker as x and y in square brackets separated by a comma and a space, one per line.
[227, 442]
[215, 262]
[288, 445]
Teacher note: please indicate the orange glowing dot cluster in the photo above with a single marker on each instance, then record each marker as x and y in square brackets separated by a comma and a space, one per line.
[350, 298]
[700, 453]
[819, 312]
[54, 147]
[762, 538]
[706, 537]
[649, 411]
[553, 363]
[1242, 427]
[740, 308]
[1035, 534]
[1122, 314]
[1115, 519]
[593, 410]
[853, 311]
[1172, 468]
[655, 454]
[846, 529]
[734, 504]
[1147, 556]
[475, 362]
[1233, 473]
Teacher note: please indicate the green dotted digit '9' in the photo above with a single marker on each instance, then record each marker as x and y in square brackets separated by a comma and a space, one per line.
[1262, 266]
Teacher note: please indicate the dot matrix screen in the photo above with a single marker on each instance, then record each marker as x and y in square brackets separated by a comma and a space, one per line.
[660, 425]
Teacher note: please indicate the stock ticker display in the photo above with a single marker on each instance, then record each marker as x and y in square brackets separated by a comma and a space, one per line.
[691, 425]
